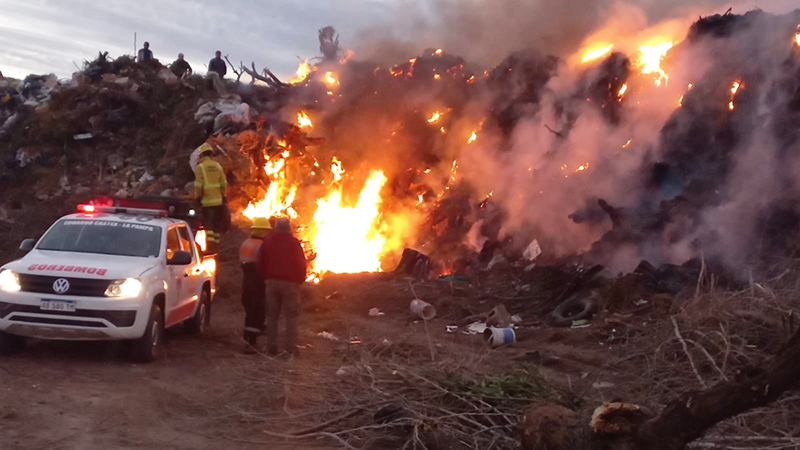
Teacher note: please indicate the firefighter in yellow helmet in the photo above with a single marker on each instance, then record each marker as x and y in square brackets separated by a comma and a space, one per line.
[253, 287]
[209, 190]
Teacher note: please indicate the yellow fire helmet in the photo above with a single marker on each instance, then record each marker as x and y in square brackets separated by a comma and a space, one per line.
[206, 148]
[261, 223]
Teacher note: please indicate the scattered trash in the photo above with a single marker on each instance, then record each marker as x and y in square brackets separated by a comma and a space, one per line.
[451, 328]
[499, 317]
[424, 310]
[475, 328]
[328, 336]
[82, 137]
[580, 324]
[602, 385]
[533, 251]
[415, 264]
[516, 318]
[386, 342]
[168, 77]
[498, 260]
[146, 177]
[454, 278]
[496, 337]
[332, 296]
[640, 302]
[375, 312]
[343, 371]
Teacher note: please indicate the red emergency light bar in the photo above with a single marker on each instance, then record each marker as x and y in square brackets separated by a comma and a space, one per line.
[89, 209]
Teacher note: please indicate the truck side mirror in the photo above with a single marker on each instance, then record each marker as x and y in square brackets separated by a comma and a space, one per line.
[27, 245]
[180, 258]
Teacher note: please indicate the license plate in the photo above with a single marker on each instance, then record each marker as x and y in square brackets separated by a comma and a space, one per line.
[57, 305]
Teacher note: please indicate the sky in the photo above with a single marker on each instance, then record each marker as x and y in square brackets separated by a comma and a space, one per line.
[44, 36]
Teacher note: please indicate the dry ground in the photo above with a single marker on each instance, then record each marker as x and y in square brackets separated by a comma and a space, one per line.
[61, 395]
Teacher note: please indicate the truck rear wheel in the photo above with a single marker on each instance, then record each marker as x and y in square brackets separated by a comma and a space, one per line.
[199, 323]
[10, 343]
[148, 347]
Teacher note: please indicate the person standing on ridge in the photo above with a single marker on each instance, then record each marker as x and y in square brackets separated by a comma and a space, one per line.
[253, 287]
[145, 54]
[282, 264]
[209, 189]
[180, 67]
[217, 65]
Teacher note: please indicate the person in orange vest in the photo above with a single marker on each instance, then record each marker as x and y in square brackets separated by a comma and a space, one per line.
[209, 189]
[253, 287]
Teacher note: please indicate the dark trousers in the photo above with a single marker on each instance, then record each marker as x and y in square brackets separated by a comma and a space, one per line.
[212, 222]
[282, 295]
[254, 302]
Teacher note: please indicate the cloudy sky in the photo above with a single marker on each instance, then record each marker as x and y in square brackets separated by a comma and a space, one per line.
[39, 36]
[42, 36]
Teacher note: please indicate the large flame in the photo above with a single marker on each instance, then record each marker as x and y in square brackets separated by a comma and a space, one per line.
[650, 57]
[303, 71]
[596, 53]
[348, 239]
[303, 120]
[797, 36]
[279, 199]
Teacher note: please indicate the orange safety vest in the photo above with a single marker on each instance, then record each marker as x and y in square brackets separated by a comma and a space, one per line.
[248, 252]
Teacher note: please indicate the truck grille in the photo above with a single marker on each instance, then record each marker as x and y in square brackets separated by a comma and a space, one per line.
[121, 319]
[84, 287]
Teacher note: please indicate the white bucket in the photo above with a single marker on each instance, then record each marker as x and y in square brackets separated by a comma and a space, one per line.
[424, 310]
[496, 337]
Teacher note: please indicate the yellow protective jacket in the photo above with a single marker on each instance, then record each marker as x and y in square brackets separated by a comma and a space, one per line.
[209, 182]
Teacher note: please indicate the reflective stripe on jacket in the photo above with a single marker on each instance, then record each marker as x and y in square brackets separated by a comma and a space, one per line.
[248, 252]
[209, 182]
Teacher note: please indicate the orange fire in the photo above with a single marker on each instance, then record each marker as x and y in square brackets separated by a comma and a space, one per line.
[330, 78]
[436, 76]
[442, 130]
[303, 71]
[650, 57]
[797, 36]
[435, 117]
[347, 56]
[278, 200]
[582, 167]
[471, 79]
[625, 145]
[622, 91]
[303, 120]
[438, 52]
[472, 138]
[349, 239]
[734, 89]
[596, 53]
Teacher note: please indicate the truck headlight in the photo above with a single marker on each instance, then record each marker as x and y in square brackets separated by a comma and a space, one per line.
[125, 288]
[9, 281]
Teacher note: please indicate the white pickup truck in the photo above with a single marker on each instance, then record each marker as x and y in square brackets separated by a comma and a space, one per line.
[107, 273]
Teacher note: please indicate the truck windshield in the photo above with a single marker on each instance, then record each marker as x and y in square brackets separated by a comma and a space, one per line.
[102, 237]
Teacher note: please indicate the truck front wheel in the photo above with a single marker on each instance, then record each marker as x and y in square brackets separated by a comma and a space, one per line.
[199, 323]
[148, 347]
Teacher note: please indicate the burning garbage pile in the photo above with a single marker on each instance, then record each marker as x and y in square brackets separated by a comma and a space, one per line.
[623, 152]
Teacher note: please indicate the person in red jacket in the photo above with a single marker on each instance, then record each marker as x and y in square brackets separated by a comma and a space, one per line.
[282, 264]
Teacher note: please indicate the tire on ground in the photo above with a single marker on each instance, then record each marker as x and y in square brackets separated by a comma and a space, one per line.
[148, 347]
[572, 309]
[199, 323]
